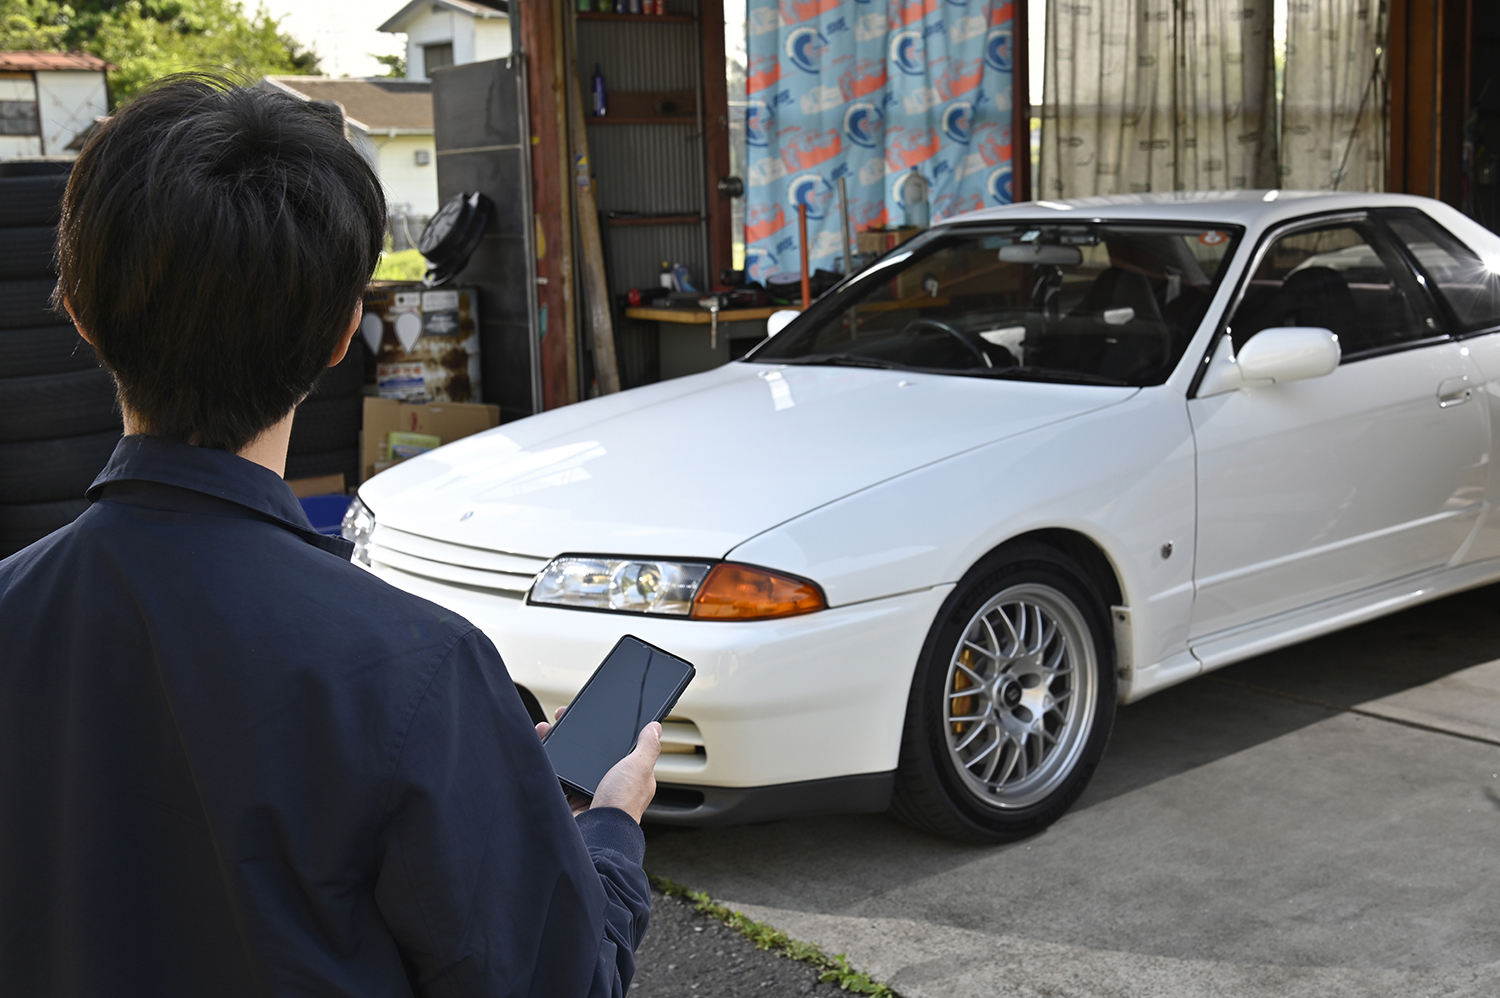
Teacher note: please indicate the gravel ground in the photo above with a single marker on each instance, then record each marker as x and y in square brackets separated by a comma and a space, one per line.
[686, 953]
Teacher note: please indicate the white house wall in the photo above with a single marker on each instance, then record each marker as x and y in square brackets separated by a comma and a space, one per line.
[435, 29]
[20, 146]
[473, 39]
[406, 183]
[69, 101]
[491, 39]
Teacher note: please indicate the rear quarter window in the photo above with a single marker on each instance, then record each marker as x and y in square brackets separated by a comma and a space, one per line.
[1469, 287]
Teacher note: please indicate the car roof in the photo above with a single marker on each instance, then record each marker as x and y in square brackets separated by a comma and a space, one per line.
[1250, 208]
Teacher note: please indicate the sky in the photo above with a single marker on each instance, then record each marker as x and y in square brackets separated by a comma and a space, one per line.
[343, 31]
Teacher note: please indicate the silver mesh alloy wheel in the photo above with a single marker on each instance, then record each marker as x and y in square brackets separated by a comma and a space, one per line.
[1019, 696]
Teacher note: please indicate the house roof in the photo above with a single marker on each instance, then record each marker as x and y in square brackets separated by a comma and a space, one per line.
[371, 105]
[25, 61]
[484, 11]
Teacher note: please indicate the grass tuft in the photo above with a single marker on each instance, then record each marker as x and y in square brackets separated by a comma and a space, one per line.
[831, 969]
[408, 265]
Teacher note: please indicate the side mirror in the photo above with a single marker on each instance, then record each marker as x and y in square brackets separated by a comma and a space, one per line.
[1272, 356]
[1289, 353]
[780, 320]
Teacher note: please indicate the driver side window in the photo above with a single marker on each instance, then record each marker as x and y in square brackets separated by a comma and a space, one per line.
[1337, 277]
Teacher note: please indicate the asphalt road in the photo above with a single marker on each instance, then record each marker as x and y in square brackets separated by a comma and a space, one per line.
[1323, 821]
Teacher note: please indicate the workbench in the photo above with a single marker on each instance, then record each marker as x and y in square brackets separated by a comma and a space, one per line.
[684, 341]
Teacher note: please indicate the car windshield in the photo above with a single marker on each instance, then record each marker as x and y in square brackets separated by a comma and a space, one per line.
[1099, 303]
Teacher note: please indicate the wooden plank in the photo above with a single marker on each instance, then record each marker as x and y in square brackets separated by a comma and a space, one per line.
[644, 120]
[590, 244]
[716, 140]
[539, 46]
[700, 317]
[1396, 60]
[655, 18]
[650, 105]
[620, 223]
[1020, 104]
[569, 315]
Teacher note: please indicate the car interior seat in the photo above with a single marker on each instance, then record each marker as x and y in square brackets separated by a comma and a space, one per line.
[1115, 330]
[1116, 288]
[1317, 296]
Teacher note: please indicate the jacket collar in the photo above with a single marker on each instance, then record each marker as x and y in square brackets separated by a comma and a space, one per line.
[216, 473]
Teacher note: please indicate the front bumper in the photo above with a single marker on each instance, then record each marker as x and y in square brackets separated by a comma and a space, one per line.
[812, 698]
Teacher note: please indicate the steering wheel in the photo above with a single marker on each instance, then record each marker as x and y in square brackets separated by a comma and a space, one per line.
[916, 325]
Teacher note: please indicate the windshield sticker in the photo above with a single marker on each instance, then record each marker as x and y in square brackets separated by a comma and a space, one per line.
[1212, 238]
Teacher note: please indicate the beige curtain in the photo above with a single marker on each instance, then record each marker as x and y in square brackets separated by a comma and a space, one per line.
[1333, 113]
[1156, 95]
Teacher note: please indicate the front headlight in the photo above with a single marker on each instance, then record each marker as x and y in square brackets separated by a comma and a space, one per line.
[358, 525]
[701, 590]
[629, 585]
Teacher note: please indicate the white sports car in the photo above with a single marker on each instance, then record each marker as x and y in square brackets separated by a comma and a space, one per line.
[1038, 461]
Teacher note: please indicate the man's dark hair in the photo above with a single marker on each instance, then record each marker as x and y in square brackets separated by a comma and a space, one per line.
[215, 242]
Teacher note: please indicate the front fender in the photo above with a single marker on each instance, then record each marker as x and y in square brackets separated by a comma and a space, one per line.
[1122, 476]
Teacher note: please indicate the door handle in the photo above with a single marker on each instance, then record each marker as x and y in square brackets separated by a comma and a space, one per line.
[1454, 391]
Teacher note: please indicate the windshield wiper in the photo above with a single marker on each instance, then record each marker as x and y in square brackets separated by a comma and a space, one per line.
[839, 360]
[1028, 372]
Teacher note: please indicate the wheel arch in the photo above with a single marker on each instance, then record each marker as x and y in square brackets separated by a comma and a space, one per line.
[1081, 548]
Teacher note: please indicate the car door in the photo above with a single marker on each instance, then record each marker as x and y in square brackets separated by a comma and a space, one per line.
[1316, 488]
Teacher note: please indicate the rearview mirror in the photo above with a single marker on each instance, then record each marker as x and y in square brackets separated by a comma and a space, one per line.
[1289, 353]
[779, 320]
[1042, 253]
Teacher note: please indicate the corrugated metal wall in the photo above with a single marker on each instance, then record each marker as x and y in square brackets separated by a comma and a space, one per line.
[647, 168]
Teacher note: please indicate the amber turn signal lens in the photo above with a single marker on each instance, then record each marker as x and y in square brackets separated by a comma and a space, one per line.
[740, 592]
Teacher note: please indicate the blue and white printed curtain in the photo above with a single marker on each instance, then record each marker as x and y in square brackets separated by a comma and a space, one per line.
[870, 90]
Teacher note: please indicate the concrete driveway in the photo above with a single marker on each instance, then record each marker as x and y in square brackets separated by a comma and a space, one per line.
[1323, 821]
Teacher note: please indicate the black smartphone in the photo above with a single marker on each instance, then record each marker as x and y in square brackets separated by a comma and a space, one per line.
[637, 683]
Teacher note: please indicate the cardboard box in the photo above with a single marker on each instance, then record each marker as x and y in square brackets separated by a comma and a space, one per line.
[323, 485]
[449, 421]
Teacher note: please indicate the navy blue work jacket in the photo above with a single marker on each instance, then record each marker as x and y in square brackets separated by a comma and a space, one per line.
[232, 763]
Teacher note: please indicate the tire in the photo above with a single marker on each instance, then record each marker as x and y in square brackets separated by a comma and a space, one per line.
[345, 378]
[27, 252]
[327, 424]
[25, 353]
[963, 779]
[339, 462]
[27, 303]
[27, 523]
[46, 470]
[57, 405]
[31, 200]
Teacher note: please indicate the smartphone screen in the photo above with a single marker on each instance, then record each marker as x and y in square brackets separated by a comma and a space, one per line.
[636, 684]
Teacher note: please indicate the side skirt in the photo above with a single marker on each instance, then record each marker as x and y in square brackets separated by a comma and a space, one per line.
[702, 806]
[1214, 651]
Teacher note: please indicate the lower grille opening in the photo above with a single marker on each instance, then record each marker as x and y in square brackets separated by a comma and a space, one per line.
[677, 797]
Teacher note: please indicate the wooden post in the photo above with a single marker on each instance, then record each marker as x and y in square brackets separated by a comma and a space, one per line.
[538, 43]
[590, 245]
[1020, 104]
[802, 238]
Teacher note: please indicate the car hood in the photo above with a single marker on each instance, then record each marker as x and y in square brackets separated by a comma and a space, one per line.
[697, 465]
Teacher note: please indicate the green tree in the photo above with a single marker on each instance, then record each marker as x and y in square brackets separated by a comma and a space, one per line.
[148, 39]
[33, 24]
[395, 65]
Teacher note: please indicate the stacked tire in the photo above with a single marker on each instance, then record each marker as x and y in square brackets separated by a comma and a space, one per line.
[59, 422]
[325, 432]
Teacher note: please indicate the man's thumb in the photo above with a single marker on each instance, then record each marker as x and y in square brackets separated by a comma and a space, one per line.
[650, 739]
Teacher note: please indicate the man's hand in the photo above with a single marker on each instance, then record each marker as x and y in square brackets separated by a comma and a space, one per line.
[631, 783]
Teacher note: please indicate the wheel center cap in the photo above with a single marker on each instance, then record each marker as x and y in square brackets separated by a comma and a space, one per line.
[1010, 693]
